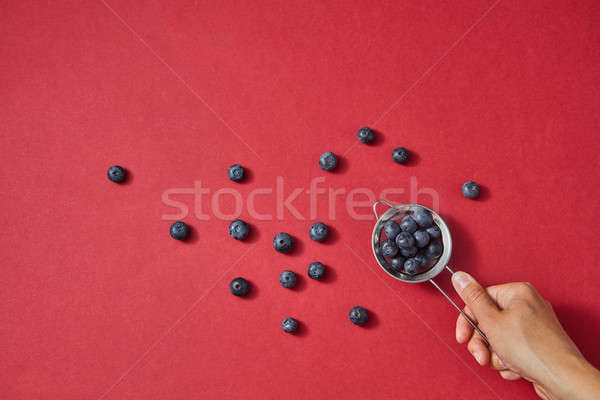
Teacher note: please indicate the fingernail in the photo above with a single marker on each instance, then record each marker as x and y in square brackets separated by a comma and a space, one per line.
[501, 363]
[460, 280]
[479, 357]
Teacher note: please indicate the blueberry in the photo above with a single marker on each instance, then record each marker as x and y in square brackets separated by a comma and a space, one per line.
[423, 218]
[470, 190]
[408, 251]
[328, 161]
[238, 229]
[421, 238]
[366, 135]
[239, 287]
[318, 232]
[179, 230]
[287, 279]
[392, 229]
[405, 239]
[358, 315]
[236, 172]
[316, 270]
[434, 232]
[116, 174]
[397, 263]
[389, 248]
[400, 155]
[422, 259]
[408, 224]
[411, 266]
[289, 325]
[434, 250]
[283, 242]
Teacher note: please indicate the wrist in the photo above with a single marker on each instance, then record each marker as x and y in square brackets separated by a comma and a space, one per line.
[573, 378]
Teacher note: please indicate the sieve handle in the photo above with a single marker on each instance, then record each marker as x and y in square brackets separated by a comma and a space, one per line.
[377, 203]
[469, 320]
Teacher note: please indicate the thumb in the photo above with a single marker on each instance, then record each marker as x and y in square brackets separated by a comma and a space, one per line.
[474, 296]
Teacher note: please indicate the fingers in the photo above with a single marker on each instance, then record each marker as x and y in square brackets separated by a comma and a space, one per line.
[541, 392]
[497, 363]
[474, 296]
[505, 373]
[475, 345]
[479, 350]
[465, 333]
[464, 330]
[509, 375]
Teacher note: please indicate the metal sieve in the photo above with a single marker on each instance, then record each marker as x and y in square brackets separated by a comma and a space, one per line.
[396, 212]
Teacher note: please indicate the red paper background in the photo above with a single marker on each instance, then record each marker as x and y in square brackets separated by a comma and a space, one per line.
[98, 302]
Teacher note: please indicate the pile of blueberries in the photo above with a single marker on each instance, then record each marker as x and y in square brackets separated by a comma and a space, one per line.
[411, 246]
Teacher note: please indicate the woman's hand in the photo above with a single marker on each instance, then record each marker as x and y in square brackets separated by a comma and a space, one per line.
[526, 339]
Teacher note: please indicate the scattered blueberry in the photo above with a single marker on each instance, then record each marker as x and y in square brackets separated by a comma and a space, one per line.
[116, 174]
[318, 232]
[389, 248]
[397, 263]
[328, 161]
[238, 229]
[411, 266]
[405, 239]
[470, 190]
[366, 135]
[316, 270]
[434, 250]
[421, 259]
[289, 325]
[283, 242]
[392, 229]
[400, 155]
[358, 315]
[421, 238]
[408, 224]
[239, 287]
[423, 218]
[287, 279]
[236, 172]
[434, 232]
[179, 230]
[408, 251]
